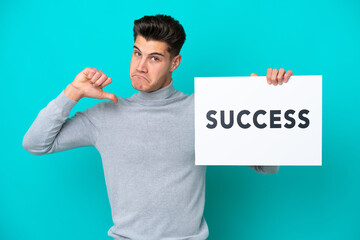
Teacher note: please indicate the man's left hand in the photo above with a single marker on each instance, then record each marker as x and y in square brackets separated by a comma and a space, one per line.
[274, 76]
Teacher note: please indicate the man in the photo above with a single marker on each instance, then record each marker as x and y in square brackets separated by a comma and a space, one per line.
[146, 141]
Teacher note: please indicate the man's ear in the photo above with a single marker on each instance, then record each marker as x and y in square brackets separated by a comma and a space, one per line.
[175, 62]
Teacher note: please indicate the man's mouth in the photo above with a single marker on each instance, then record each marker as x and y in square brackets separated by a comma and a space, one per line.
[142, 77]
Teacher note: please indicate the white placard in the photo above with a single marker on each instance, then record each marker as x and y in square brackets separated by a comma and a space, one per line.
[271, 125]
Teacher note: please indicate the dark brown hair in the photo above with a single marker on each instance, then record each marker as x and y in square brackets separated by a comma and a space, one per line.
[161, 28]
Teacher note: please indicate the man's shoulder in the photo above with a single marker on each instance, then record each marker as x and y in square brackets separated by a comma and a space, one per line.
[186, 95]
[190, 97]
[183, 98]
[105, 106]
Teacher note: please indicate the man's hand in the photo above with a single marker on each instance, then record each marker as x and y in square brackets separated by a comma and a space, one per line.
[89, 83]
[274, 76]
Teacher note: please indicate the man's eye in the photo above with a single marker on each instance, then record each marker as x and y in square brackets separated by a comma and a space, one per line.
[155, 59]
[137, 54]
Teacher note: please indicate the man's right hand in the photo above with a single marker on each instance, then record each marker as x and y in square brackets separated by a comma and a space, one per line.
[89, 83]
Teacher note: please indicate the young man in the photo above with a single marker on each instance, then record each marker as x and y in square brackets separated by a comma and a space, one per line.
[146, 141]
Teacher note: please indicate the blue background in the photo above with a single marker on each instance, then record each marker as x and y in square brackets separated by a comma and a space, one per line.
[44, 45]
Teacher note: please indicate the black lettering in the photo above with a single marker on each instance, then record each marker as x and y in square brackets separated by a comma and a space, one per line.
[208, 116]
[256, 123]
[273, 118]
[227, 126]
[305, 119]
[289, 118]
[239, 119]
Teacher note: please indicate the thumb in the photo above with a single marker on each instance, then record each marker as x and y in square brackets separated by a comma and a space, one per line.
[111, 96]
[254, 75]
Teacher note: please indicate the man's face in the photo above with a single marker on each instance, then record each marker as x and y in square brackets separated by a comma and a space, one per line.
[151, 65]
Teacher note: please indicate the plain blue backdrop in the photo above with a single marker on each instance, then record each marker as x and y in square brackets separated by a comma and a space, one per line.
[45, 44]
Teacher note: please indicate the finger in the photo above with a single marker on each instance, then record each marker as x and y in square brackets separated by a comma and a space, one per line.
[107, 82]
[268, 75]
[100, 80]
[111, 96]
[87, 71]
[96, 76]
[287, 76]
[274, 76]
[280, 75]
[254, 75]
[91, 73]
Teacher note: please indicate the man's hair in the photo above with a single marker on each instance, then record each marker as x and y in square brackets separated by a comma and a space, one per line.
[161, 28]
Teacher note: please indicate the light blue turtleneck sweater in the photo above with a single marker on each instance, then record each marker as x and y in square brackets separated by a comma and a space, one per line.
[146, 143]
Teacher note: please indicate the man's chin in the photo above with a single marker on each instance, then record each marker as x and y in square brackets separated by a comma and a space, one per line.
[140, 87]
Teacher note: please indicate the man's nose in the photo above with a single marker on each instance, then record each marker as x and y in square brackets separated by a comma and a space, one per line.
[141, 67]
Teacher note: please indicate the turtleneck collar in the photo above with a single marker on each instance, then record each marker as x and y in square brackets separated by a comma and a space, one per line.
[160, 94]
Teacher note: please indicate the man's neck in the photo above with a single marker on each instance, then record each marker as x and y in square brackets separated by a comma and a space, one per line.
[159, 94]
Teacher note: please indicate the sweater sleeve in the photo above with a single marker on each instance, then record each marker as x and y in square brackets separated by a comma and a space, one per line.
[265, 169]
[52, 131]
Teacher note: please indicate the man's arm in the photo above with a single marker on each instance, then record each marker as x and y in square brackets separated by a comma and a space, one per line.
[52, 130]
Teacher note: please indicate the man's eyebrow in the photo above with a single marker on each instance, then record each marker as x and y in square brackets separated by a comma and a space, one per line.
[153, 53]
